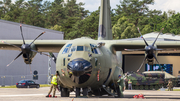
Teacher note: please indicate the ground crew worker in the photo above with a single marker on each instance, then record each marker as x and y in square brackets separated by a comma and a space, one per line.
[121, 86]
[130, 84]
[54, 82]
[170, 85]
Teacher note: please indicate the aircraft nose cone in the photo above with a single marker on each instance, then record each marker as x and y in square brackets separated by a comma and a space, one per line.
[79, 66]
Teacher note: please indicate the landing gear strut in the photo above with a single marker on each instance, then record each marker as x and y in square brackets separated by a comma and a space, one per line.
[64, 92]
[77, 92]
[85, 92]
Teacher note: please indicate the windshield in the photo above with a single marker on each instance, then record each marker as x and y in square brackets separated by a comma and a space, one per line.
[69, 49]
[79, 48]
[22, 81]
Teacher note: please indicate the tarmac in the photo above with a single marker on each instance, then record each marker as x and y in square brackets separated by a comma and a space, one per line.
[33, 94]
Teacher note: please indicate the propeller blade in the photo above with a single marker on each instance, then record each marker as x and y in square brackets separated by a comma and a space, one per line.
[36, 38]
[53, 57]
[40, 53]
[10, 44]
[15, 58]
[157, 36]
[143, 37]
[135, 49]
[22, 34]
[157, 61]
[142, 63]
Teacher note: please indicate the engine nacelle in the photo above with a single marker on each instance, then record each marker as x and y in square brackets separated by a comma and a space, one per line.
[28, 56]
[150, 58]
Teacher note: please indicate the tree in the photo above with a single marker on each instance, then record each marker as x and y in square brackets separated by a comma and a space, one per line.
[4, 7]
[124, 29]
[54, 13]
[74, 13]
[134, 9]
[15, 11]
[32, 15]
[172, 25]
[86, 27]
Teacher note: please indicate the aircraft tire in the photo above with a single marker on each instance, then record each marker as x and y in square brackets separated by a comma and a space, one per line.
[77, 92]
[64, 92]
[85, 91]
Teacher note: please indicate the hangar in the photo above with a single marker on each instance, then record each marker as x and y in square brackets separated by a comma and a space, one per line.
[18, 70]
[133, 60]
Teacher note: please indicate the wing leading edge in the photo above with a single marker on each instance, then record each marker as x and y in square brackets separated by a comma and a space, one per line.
[121, 45]
[41, 45]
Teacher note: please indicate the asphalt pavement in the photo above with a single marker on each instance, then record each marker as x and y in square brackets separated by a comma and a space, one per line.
[33, 94]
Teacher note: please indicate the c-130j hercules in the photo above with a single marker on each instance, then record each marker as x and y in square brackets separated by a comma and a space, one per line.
[93, 65]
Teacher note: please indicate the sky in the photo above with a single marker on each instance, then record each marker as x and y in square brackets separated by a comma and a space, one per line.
[163, 5]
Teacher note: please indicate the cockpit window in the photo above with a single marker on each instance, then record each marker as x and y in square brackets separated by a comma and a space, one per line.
[69, 49]
[69, 45]
[88, 49]
[73, 48]
[79, 48]
[66, 50]
[94, 50]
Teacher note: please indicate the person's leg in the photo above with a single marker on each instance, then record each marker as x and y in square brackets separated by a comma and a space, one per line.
[50, 89]
[171, 88]
[121, 92]
[54, 90]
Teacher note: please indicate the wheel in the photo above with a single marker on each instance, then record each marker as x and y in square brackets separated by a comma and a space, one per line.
[133, 87]
[146, 87]
[136, 87]
[85, 91]
[156, 87]
[64, 92]
[141, 87]
[77, 92]
[37, 86]
[151, 87]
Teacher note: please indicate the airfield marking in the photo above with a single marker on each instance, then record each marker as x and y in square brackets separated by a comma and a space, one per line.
[22, 95]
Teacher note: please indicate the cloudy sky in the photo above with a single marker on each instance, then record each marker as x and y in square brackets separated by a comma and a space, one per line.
[163, 5]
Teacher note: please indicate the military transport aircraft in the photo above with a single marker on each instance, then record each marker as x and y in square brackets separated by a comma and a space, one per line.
[84, 62]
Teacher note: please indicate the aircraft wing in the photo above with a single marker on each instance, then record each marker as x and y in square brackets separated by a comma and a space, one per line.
[41, 45]
[121, 45]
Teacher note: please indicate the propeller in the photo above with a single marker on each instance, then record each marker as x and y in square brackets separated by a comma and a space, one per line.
[25, 48]
[149, 50]
[52, 56]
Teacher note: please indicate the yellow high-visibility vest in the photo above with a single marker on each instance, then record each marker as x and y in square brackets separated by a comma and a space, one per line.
[54, 80]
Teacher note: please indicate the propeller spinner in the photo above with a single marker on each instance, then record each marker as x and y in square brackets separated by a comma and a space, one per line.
[149, 49]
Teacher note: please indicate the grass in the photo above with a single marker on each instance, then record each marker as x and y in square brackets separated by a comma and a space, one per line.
[44, 85]
[14, 86]
[174, 89]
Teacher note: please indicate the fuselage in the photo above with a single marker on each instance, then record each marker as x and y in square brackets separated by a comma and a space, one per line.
[82, 64]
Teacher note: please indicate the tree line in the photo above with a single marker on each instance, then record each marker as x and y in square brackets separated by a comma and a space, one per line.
[71, 18]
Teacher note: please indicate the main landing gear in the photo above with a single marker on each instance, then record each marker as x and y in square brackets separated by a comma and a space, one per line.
[84, 92]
